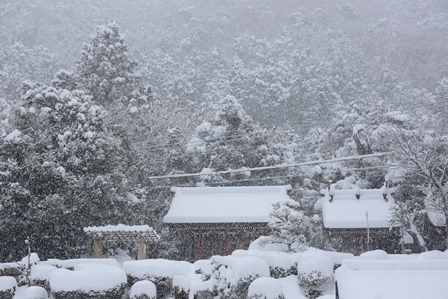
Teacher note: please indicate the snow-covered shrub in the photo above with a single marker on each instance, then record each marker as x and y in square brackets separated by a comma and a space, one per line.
[265, 288]
[281, 264]
[433, 255]
[100, 282]
[34, 259]
[36, 292]
[40, 275]
[159, 271]
[143, 290]
[374, 255]
[203, 290]
[71, 263]
[315, 272]
[12, 269]
[181, 287]
[232, 275]
[8, 286]
[260, 244]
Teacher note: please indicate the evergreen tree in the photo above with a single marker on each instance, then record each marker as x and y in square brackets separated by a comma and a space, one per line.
[62, 170]
[233, 141]
[105, 69]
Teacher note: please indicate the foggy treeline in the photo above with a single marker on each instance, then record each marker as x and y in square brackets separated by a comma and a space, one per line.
[91, 115]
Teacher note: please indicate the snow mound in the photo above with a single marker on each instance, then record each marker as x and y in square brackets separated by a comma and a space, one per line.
[144, 287]
[255, 245]
[41, 272]
[235, 268]
[70, 264]
[433, 255]
[374, 255]
[157, 268]
[265, 287]
[312, 261]
[98, 278]
[34, 259]
[291, 289]
[35, 292]
[391, 279]
[272, 258]
[181, 282]
[7, 283]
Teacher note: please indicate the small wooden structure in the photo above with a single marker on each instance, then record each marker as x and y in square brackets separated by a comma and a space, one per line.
[361, 218]
[218, 220]
[143, 235]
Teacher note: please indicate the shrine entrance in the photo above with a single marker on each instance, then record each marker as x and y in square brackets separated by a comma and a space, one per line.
[104, 236]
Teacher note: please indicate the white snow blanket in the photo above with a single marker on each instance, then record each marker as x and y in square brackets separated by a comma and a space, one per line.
[391, 279]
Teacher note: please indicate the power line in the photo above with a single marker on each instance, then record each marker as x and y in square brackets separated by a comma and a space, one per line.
[358, 157]
[258, 179]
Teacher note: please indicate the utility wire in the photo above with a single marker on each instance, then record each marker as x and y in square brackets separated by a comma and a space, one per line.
[258, 179]
[359, 157]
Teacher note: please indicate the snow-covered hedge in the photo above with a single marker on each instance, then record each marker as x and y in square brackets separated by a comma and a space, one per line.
[143, 290]
[71, 263]
[36, 292]
[159, 271]
[8, 286]
[315, 272]
[11, 269]
[265, 288]
[281, 264]
[40, 275]
[181, 287]
[99, 282]
[231, 276]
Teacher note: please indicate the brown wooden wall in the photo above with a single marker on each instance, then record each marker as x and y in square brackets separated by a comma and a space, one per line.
[202, 241]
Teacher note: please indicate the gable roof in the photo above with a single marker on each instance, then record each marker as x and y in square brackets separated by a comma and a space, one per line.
[342, 208]
[224, 204]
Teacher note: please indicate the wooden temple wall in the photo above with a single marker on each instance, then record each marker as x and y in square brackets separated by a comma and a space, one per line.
[205, 240]
[355, 240]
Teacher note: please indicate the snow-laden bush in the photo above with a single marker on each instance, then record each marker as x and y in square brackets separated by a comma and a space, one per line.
[12, 269]
[315, 272]
[265, 288]
[159, 271]
[99, 282]
[433, 255]
[232, 275]
[281, 264]
[36, 292]
[40, 275]
[374, 255]
[8, 286]
[202, 290]
[181, 287]
[71, 263]
[143, 290]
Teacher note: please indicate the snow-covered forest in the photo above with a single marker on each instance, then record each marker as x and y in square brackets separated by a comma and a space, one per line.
[104, 105]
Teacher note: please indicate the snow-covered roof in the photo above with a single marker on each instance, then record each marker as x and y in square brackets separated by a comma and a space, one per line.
[119, 228]
[343, 208]
[124, 232]
[224, 204]
[404, 277]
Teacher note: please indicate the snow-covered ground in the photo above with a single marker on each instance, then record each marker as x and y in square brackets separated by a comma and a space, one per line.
[374, 274]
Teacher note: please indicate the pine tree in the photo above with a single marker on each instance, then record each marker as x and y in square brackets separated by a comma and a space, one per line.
[232, 140]
[62, 170]
[105, 69]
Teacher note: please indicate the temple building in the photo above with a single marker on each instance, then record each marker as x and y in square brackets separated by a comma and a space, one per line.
[218, 220]
[360, 218]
